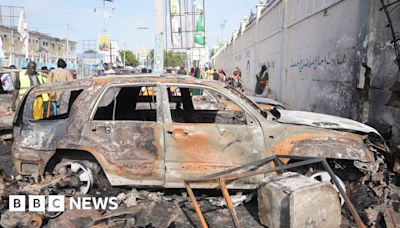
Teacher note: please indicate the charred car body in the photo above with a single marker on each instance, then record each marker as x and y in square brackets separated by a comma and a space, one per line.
[157, 131]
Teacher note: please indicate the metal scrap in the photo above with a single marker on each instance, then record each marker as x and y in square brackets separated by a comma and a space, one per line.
[237, 199]
[392, 215]
[21, 219]
[234, 174]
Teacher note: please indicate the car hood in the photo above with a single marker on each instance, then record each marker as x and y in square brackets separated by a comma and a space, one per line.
[323, 121]
[264, 100]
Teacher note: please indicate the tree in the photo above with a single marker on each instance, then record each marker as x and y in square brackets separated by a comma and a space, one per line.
[90, 52]
[151, 56]
[130, 58]
[172, 59]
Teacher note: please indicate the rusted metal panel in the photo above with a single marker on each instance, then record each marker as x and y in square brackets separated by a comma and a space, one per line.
[132, 149]
[22, 155]
[306, 141]
[201, 149]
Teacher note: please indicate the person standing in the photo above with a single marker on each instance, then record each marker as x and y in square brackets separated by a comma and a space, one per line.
[197, 73]
[108, 70]
[235, 81]
[100, 69]
[204, 73]
[239, 71]
[23, 82]
[45, 70]
[58, 75]
[262, 80]
[191, 72]
[209, 74]
[182, 71]
[7, 80]
[222, 75]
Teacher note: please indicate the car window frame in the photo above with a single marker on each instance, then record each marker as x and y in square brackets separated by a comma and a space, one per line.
[251, 119]
[29, 97]
[159, 110]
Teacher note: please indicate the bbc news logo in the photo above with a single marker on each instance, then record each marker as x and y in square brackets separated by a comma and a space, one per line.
[56, 203]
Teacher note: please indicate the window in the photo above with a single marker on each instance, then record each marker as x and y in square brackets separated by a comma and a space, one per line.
[198, 105]
[128, 104]
[58, 108]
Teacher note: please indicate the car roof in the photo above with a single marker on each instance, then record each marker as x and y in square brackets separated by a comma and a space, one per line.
[138, 78]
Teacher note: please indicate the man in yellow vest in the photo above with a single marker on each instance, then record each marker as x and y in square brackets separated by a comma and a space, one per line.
[26, 79]
[209, 74]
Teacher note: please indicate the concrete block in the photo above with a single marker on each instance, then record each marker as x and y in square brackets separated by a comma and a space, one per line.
[294, 200]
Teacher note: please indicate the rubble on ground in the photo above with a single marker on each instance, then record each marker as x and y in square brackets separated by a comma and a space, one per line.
[137, 208]
[376, 196]
[141, 208]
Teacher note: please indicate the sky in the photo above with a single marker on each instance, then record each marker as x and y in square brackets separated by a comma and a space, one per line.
[53, 16]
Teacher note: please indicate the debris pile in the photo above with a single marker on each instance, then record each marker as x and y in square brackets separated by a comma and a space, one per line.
[375, 194]
[136, 208]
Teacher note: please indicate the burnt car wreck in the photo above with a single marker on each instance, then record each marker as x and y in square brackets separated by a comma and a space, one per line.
[166, 132]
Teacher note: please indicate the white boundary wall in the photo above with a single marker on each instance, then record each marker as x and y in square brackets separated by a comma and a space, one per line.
[309, 47]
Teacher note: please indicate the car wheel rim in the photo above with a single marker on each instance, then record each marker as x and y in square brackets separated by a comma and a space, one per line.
[80, 171]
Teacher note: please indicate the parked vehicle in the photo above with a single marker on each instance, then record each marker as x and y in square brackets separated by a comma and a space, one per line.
[152, 131]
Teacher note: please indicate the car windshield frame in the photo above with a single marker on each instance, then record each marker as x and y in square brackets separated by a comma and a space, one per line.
[248, 100]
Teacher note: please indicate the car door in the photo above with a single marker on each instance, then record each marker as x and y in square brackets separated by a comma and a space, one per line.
[207, 132]
[126, 130]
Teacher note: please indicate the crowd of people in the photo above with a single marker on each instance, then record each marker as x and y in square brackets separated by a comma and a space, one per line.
[234, 80]
[19, 82]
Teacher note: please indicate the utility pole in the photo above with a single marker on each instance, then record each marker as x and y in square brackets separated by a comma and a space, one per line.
[104, 17]
[67, 59]
[111, 53]
[124, 54]
[12, 47]
[159, 37]
[105, 14]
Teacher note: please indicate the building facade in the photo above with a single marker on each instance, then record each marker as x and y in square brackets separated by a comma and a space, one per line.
[43, 49]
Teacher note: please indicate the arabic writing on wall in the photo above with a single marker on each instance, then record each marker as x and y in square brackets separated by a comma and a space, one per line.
[313, 63]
